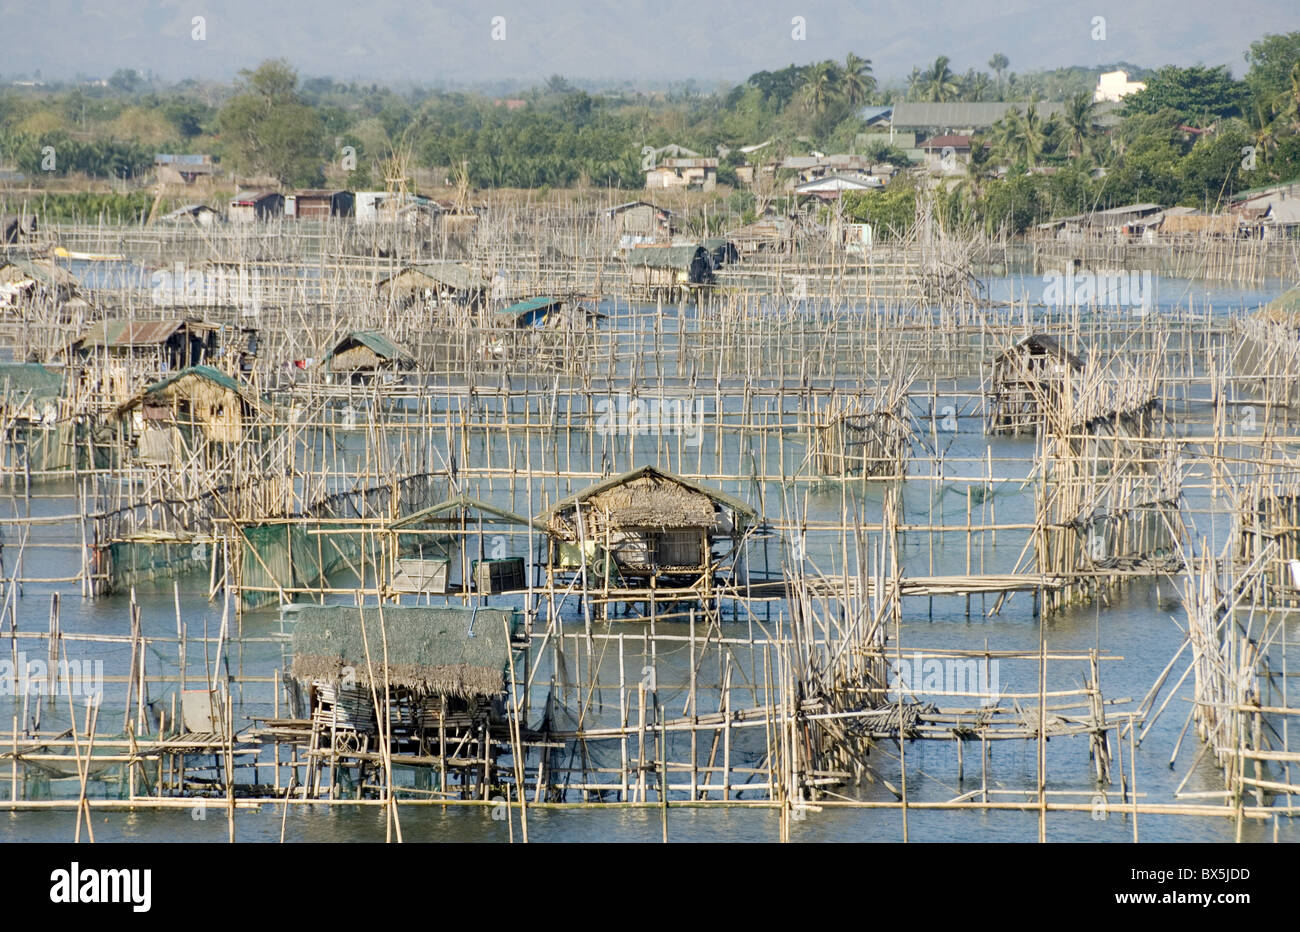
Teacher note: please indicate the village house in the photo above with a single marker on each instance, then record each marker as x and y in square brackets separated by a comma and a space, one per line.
[947, 154]
[319, 204]
[1114, 86]
[638, 222]
[699, 173]
[250, 206]
[184, 170]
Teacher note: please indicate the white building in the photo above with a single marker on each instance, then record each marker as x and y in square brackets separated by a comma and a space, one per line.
[1115, 85]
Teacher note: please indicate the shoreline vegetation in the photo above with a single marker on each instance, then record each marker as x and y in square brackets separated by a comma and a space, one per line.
[1192, 137]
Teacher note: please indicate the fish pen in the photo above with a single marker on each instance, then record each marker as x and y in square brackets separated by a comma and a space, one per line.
[488, 510]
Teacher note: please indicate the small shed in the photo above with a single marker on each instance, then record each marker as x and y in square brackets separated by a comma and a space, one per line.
[443, 672]
[435, 284]
[363, 354]
[250, 206]
[1028, 380]
[198, 214]
[183, 169]
[198, 404]
[316, 204]
[640, 221]
[14, 229]
[721, 250]
[648, 523]
[549, 312]
[171, 344]
[24, 282]
[670, 267]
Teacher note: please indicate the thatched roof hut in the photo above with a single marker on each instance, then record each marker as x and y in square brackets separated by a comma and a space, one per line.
[367, 351]
[649, 519]
[197, 396]
[437, 282]
[455, 652]
[35, 279]
[1028, 381]
[670, 266]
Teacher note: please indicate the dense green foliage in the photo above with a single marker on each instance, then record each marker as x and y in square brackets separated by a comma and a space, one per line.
[1195, 136]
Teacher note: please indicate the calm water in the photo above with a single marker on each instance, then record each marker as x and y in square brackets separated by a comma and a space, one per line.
[1141, 624]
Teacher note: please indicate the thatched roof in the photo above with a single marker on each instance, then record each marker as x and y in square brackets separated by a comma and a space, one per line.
[680, 258]
[459, 652]
[1042, 344]
[43, 271]
[376, 342]
[446, 273]
[648, 497]
[190, 383]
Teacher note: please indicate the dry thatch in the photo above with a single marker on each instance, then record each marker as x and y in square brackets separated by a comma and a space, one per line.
[644, 498]
[457, 652]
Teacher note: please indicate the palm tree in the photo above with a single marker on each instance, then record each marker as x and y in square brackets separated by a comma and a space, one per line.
[1261, 122]
[820, 87]
[914, 83]
[999, 63]
[977, 85]
[1288, 104]
[939, 84]
[1019, 136]
[1080, 123]
[856, 81]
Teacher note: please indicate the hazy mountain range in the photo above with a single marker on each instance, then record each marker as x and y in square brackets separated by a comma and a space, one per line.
[632, 40]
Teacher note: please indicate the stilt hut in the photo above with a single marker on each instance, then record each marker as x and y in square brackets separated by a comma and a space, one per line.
[363, 355]
[648, 527]
[668, 268]
[28, 286]
[435, 284]
[440, 675]
[35, 435]
[544, 330]
[1027, 381]
[194, 410]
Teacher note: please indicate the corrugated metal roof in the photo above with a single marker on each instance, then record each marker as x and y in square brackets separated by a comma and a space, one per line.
[975, 115]
[108, 333]
[530, 305]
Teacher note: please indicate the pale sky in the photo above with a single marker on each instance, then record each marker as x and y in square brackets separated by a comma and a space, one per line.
[723, 40]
